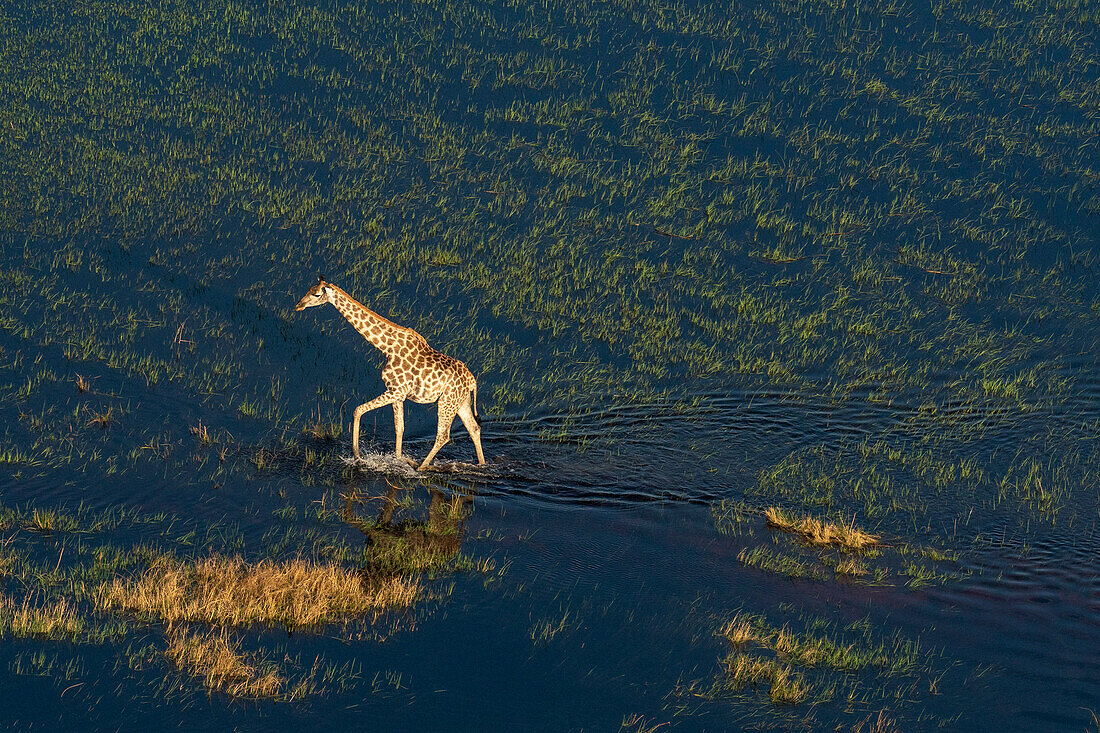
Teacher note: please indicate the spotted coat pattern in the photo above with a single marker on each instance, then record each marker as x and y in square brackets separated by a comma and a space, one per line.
[414, 370]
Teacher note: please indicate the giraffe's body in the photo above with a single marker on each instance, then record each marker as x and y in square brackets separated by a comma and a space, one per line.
[413, 371]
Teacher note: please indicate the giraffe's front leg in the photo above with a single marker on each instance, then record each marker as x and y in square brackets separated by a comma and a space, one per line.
[385, 398]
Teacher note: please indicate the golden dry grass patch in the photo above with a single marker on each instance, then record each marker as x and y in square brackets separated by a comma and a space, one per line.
[818, 532]
[229, 591]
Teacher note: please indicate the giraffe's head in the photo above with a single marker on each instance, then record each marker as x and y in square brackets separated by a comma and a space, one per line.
[319, 294]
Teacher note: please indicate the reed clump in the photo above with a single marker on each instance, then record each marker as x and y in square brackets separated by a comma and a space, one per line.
[229, 591]
[843, 534]
[817, 549]
[817, 663]
[738, 631]
[785, 687]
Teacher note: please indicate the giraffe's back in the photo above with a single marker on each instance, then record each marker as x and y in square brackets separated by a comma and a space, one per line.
[427, 374]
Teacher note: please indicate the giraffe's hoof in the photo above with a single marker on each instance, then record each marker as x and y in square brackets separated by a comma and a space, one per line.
[408, 460]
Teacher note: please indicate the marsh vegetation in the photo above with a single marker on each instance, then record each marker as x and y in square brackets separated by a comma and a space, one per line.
[816, 663]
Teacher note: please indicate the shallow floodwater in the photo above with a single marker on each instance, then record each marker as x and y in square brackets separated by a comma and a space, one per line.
[622, 546]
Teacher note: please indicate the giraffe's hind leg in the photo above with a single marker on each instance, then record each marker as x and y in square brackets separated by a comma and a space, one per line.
[467, 416]
[447, 412]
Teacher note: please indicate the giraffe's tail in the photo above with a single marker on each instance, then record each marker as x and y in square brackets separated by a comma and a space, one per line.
[477, 418]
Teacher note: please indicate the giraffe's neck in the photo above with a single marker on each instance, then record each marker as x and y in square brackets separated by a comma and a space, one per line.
[373, 327]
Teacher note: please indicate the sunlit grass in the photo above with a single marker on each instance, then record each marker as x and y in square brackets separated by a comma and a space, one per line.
[778, 562]
[50, 520]
[208, 604]
[710, 197]
[784, 686]
[661, 249]
[843, 534]
[229, 591]
[546, 630]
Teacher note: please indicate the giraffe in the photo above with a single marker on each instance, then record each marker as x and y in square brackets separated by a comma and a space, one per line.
[413, 371]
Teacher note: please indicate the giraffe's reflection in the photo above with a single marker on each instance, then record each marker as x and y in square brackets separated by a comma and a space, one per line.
[400, 539]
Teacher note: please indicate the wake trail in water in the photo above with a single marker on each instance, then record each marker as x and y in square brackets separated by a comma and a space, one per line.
[386, 463]
[391, 465]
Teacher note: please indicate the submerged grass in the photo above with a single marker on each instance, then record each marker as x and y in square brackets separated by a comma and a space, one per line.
[219, 660]
[545, 630]
[43, 663]
[779, 563]
[784, 686]
[810, 660]
[822, 645]
[91, 592]
[414, 552]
